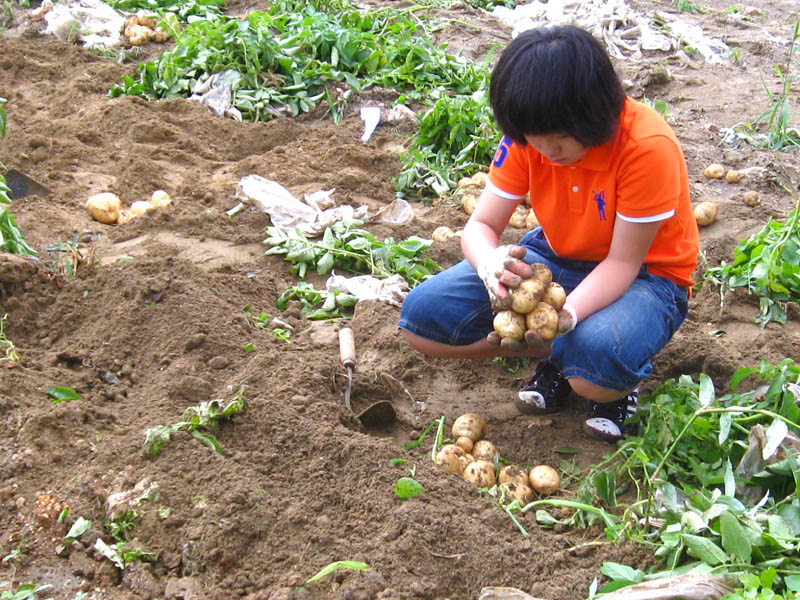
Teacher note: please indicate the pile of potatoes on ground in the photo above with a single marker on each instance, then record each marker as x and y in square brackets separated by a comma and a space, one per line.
[534, 305]
[474, 458]
[106, 207]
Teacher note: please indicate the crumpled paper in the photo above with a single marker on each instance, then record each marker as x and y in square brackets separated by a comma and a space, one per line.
[391, 290]
[216, 93]
[317, 212]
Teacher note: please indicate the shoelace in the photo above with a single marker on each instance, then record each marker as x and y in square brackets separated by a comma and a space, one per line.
[617, 411]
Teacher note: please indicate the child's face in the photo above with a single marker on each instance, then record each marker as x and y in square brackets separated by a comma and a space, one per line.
[559, 148]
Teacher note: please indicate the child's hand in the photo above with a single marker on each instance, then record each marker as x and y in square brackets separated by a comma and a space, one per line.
[503, 268]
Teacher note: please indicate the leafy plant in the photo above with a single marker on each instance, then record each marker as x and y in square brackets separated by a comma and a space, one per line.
[318, 304]
[688, 6]
[691, 504]
[10, 350]
[780, 135]
[184, 10]
[457, 137]
[198, 421]
[345, 245]
[766, 264]
[25, 591]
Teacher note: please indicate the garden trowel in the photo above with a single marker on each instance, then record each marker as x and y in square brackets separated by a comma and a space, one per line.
[376, 413]
[21, 186]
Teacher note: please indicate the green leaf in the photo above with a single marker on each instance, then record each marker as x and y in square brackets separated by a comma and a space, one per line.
[704, 549]
[340, 564]
[406, 488]
[775, 434]
[79, 527]
[62, 394]
[706, 393]
[605, 486]
[790, 513]
[619, 572]
[545, 519]
[734, 539]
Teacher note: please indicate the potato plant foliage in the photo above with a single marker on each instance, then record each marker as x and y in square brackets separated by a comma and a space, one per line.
[345, 245]
[702, 497]
[766, 264]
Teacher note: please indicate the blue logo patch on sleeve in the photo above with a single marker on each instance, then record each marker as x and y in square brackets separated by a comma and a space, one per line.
[502, 152]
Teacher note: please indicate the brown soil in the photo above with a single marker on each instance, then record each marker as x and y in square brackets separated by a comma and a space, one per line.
[161, 327]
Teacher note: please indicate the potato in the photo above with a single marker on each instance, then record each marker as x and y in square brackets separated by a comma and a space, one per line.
[160, 198]
[531, 221]
[159, 36]
[705, 213]
[125, 216]
[465, 460]
[138, 35]
[542, 273]
[485, 450]
[544, 479]
[751, 198]
[140, 207]
[525, 297]
[544, 320]
[442, 234]
[555, 296]
[104, 207]
[509, 324]
[714, 171]
[733, 176]
[513, 473]
[468, 203]
[465, 443]
[449, 459]
[518, 491]
[480, 179]
[451, 449]
[470, 426]
[518, 216]
[480, 473]
[464, 182]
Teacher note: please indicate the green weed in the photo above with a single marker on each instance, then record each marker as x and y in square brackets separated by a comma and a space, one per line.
[345, 245]
[688, 6]
[198, 422]
[766, 264]
[6, 345]
[779, 134]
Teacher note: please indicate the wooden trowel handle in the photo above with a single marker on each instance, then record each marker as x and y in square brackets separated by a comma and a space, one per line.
[347, 347]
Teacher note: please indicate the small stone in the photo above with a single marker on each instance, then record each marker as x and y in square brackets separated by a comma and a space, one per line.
[219, 362]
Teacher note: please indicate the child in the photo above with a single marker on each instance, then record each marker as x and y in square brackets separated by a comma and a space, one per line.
[609, 186]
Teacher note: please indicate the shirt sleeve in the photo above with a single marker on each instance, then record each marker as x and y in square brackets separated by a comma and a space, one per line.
[649, 184]
[509, 173]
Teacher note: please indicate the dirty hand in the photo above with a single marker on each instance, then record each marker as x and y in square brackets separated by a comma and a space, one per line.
[532, 343]
[501, 269]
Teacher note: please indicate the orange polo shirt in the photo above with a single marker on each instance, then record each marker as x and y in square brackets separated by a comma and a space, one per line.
[639, 176]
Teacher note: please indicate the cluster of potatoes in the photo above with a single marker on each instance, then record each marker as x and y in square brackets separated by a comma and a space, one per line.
[534, 305]
[474, 459]
[139, 30]
[470, 189]
[106, 207]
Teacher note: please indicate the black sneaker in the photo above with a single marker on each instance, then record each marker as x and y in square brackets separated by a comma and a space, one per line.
[546, 392]
[606, 420]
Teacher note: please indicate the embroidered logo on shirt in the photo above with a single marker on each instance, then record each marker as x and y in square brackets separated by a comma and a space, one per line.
[502, 152]
[600, 199]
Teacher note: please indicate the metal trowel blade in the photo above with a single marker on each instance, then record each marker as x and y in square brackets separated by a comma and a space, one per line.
[380, 413]
[22, 186]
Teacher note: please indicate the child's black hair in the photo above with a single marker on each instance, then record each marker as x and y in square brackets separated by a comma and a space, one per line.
[556, 80]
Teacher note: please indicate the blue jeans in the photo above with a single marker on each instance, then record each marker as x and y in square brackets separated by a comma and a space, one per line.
[611, 348]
